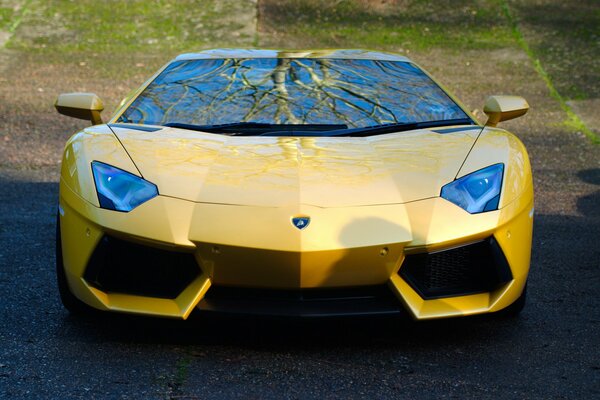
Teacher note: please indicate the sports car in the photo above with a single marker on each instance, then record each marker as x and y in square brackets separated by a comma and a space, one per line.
[294, 183]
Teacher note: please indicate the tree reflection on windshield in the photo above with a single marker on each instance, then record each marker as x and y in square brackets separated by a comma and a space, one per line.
[354, 92]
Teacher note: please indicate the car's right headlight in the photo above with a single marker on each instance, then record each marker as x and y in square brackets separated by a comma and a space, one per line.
[477, 192]
[120, 190]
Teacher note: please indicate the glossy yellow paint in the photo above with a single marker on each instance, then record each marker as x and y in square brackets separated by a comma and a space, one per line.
[503, 108]
[372, 226]
[91, 144]
[230, 199]
[281, 171]
[510, 226]
[505, 148]
[80, 105]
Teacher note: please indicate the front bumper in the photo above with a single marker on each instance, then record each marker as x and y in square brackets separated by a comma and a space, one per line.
[226, 244]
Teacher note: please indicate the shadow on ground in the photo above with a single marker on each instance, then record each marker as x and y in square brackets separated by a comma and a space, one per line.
[553, 339]
[589, 205]
[274, 333]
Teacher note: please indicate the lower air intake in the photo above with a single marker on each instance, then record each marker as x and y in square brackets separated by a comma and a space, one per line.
[324, 302]
[476, 268]
[117, 266]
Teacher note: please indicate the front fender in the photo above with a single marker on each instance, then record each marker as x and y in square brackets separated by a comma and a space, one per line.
[499, 146]
[97, 143]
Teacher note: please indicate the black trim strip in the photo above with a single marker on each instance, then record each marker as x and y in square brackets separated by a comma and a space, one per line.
[136, 127]
[450, 130]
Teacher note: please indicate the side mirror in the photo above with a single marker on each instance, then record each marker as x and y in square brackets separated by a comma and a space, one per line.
[503, 108]
[80, 105]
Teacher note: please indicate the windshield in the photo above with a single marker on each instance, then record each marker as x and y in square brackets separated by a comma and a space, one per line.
[339, 93]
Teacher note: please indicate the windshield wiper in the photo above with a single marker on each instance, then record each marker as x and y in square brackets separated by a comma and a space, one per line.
[265, 129]
[397, 127]
[257, 128]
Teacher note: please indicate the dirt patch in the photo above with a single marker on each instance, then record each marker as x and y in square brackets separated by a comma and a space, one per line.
[395, 25]
[588, 112]
[562, 85]
[170, 27]
[383, 6]
[566, 38]
[60, 47]
[4, 36]
[40, 30]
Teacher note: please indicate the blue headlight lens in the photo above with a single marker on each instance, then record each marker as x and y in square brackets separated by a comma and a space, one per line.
[119, 190]
[477, 192]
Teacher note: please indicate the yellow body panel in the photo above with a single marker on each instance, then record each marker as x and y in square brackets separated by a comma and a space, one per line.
[83, 148]
[333, 252]
[230, 200]
[282, 171]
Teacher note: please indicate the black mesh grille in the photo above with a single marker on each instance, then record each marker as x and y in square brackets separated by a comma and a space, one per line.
[476, 268]
[117, 266]
[449, 268]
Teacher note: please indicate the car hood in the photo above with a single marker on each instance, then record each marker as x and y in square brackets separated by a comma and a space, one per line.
[283, 171]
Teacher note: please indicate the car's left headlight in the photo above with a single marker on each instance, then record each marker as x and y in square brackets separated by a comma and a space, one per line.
[477, 192]
[120, 190]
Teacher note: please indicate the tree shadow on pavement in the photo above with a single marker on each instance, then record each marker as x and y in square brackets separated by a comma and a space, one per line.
[590, 205]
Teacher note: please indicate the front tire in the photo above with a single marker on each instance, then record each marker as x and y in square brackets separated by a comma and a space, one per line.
[68, 299]
[515, 308]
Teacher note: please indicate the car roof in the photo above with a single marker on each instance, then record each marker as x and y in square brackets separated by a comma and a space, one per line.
[355, 54]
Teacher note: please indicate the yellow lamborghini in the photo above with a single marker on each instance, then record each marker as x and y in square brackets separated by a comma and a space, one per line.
[294, 183]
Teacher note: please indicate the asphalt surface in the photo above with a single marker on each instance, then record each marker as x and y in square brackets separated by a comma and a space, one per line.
[550, 351]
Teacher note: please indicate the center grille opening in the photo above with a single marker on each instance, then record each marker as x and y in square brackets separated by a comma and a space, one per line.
[117, 266]
[476, 268]
[321, 302]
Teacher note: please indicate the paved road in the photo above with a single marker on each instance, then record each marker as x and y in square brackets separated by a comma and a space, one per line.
[549, 352]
